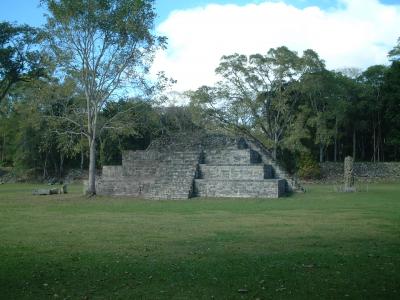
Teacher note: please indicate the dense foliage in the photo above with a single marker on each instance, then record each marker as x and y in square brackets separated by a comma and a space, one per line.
[19, 59]
[291, 103]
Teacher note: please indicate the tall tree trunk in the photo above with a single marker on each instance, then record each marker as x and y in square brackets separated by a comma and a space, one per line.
[335, 143]
[61, 166]
[45, 165]
[82, 159]
[363, 147]
[335, 150]
[378, 152]
[55, 167]
[374, 144]
[101, 151]
[275, 148]
[82, 153]
[354, 143]
[379, 143]
[3, 148]
[274, 153]
[92, 167]
[321, 153]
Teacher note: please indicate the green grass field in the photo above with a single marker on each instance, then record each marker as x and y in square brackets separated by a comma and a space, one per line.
[317, 245]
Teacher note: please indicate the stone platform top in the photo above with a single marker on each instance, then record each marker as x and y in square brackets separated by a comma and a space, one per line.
[196, 142]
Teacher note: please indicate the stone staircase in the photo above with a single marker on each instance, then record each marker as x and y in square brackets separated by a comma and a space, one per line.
[236, 173]
[175, 175]
[291, 183]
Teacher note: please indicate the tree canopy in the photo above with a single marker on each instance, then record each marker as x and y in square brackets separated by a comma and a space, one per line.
[75, 94]
[292, 103]
[20, 57]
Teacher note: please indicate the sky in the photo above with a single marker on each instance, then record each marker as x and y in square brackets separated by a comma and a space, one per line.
[345, 33]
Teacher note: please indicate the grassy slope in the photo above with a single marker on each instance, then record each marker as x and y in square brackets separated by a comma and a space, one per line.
[316, 245]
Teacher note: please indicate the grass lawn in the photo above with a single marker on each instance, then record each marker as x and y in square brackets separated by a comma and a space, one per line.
[317, 245]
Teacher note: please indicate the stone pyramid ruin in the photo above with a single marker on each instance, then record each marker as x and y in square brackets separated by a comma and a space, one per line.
[197, 165]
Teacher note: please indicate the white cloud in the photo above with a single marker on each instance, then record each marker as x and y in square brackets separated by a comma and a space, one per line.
[358, 33]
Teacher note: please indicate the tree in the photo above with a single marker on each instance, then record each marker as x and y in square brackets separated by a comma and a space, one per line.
[105, 45]
[391, 91]
[258, 95]
[136, 124]
[339, 107]
[349, 93]
[316, 85]
[394, 54]
[373, 80]
[20, 59]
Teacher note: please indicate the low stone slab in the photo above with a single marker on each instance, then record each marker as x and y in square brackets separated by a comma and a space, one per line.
[55, 191]
[41, 192]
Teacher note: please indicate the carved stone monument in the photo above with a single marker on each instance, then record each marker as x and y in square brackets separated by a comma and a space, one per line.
[349, 174]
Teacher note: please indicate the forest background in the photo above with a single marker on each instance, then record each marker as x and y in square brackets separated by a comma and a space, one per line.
[290, 102]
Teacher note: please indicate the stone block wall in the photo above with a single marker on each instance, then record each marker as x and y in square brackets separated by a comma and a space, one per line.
[363, 171]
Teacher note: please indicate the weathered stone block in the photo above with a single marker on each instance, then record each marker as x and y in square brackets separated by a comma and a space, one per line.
[112, 172]
[235, 172]
[227, 157]
[272, 188]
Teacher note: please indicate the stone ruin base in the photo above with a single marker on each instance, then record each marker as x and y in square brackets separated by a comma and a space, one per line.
[209, 166]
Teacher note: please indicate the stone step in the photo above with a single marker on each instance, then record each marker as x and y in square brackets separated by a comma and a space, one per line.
[235, 172]
[112, 172]
[267, 188]
[179, 162]
[168, 191]
[140, 173]
[174, 178]
[140, 157]
[166, 196]
[125, 187]
[170, 185]
[149, 189]
[231, 157]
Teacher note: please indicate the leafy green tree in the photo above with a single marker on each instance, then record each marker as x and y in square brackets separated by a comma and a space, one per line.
[20, 58]
[391, 94]
[394, 54]
[136, 123]
[259, 95]
[373, 80]
[106, 45]
[317, 87]
[349, 91]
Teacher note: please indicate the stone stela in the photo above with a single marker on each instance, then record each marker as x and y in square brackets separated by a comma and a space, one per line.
[349, 174]
[184, 167]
